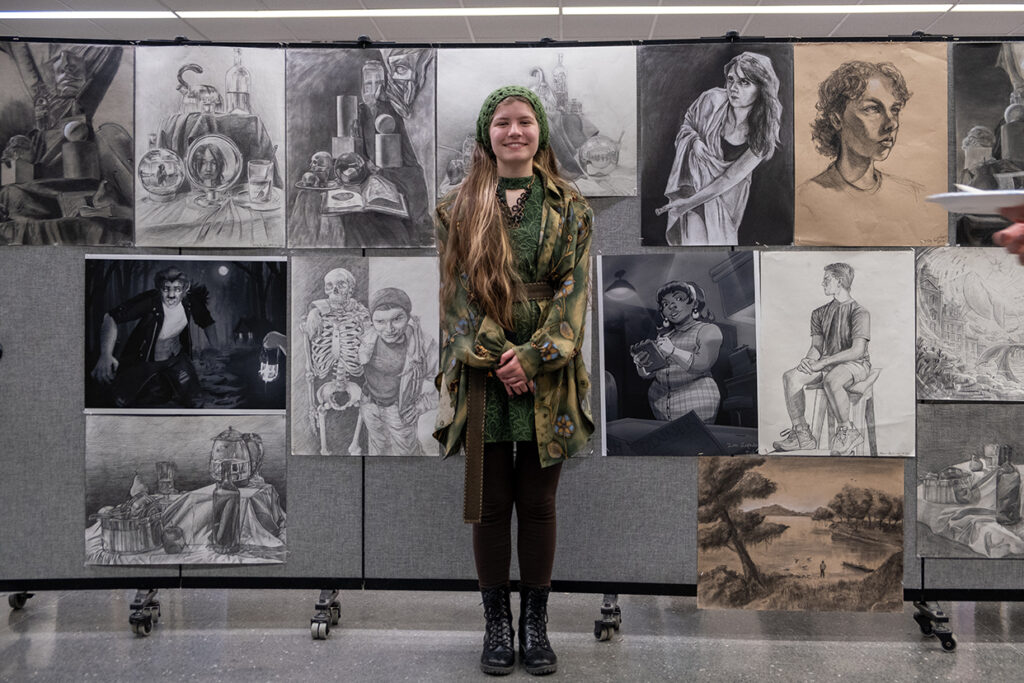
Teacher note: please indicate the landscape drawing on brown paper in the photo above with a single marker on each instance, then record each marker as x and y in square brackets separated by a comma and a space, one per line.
[791, 533]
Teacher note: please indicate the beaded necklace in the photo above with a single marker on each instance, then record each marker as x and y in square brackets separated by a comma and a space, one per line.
[513, 214]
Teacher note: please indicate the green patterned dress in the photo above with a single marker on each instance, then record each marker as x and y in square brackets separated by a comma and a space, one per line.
[510, 418]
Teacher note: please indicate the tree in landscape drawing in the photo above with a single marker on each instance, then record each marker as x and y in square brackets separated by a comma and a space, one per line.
[725, 483]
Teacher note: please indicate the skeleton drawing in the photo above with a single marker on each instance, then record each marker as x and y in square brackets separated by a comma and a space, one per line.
[334, 328]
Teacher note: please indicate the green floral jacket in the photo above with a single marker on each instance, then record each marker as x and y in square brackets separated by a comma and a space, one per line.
[551, 358]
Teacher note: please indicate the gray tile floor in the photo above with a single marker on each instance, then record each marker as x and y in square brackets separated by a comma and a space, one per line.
[243, 635]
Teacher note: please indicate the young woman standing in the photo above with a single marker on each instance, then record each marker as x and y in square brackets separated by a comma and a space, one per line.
[514, 242]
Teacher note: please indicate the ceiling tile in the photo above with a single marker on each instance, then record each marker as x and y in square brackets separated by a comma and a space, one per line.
[977, 23]
[49, 28]
[782, 26]
[420, 30]
[332, 29]
[510, 29]
[242, 30]
[864, 25]
[697, 26]
[109, 5]
[606, 28]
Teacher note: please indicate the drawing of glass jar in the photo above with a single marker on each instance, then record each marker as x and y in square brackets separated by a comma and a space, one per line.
[599, 155]
[161, 172]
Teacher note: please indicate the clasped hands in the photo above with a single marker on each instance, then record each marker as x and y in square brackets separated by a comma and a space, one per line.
[511, 374]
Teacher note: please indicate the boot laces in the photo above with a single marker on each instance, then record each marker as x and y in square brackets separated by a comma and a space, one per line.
[536, 626]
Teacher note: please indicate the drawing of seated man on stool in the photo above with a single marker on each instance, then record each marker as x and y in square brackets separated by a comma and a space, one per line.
[836, 360]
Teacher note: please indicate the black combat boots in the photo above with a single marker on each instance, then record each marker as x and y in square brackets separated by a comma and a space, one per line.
[499, 655]
[534, 648]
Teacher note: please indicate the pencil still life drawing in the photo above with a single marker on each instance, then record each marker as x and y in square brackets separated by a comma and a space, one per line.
[716, 136]
[678, 361]
[211, 122]
[360, 147]
[836, 352]
[784, 533]
[185, 490]
[870, 126]
[592, 124]
[988, 105]
[968, 488]
[364, 333]
[970, 339]
[66, 138]
[184, 334]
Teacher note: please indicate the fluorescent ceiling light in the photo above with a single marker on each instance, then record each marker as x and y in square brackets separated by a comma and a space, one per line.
[86, 14]
[371, 13]
[757, 9]
[987, 8]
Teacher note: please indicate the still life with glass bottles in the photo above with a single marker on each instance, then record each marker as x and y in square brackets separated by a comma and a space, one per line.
[187, 491]
[210, 174]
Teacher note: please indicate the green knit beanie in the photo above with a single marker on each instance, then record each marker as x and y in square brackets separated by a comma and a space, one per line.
[483, 121]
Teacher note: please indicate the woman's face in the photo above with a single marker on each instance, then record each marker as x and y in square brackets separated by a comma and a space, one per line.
[676, 307]
[515, 135]
[741, 90]
[209, 167]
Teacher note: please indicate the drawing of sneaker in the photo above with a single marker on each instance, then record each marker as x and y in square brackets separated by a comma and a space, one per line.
[796, 439]
[845, 441]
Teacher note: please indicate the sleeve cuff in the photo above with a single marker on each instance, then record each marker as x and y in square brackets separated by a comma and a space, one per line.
[529, 359]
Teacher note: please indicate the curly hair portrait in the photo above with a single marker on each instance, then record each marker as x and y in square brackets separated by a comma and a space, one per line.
[847, 83]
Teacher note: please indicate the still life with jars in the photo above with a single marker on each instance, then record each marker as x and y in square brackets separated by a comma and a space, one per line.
[360, 147]
[185, 490]
[969, 477]
[209, 169]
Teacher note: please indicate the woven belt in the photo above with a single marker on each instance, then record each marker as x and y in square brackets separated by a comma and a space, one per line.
[476, 408]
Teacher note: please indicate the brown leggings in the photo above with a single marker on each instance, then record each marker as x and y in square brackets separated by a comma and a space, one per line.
[522, 483]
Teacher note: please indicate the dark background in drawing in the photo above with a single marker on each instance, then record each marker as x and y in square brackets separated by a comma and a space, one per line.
[629, 321]
[248, 297]
[106, 101]
[981, 91]
[313, 80]
[308, 286]
[670, 79]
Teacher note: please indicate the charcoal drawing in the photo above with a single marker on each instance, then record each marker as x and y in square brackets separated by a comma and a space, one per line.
[968, 487]
[66, 134]
[835, 353]
[360, 147]
[678, 335]
[969, 315]
[174, 490]
[784, 533]
[365, 331]
[209, 164]
[587, 92]
[716, 135]
[174, 334]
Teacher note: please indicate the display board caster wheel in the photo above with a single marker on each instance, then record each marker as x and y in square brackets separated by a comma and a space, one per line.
[925, 624]
[611, 617]
[933, 622]
[18, 600]
[141, 623]
[328, 613]
[145, 612]
[319, 629]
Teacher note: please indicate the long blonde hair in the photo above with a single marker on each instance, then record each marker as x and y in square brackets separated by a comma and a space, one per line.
[478, 243]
